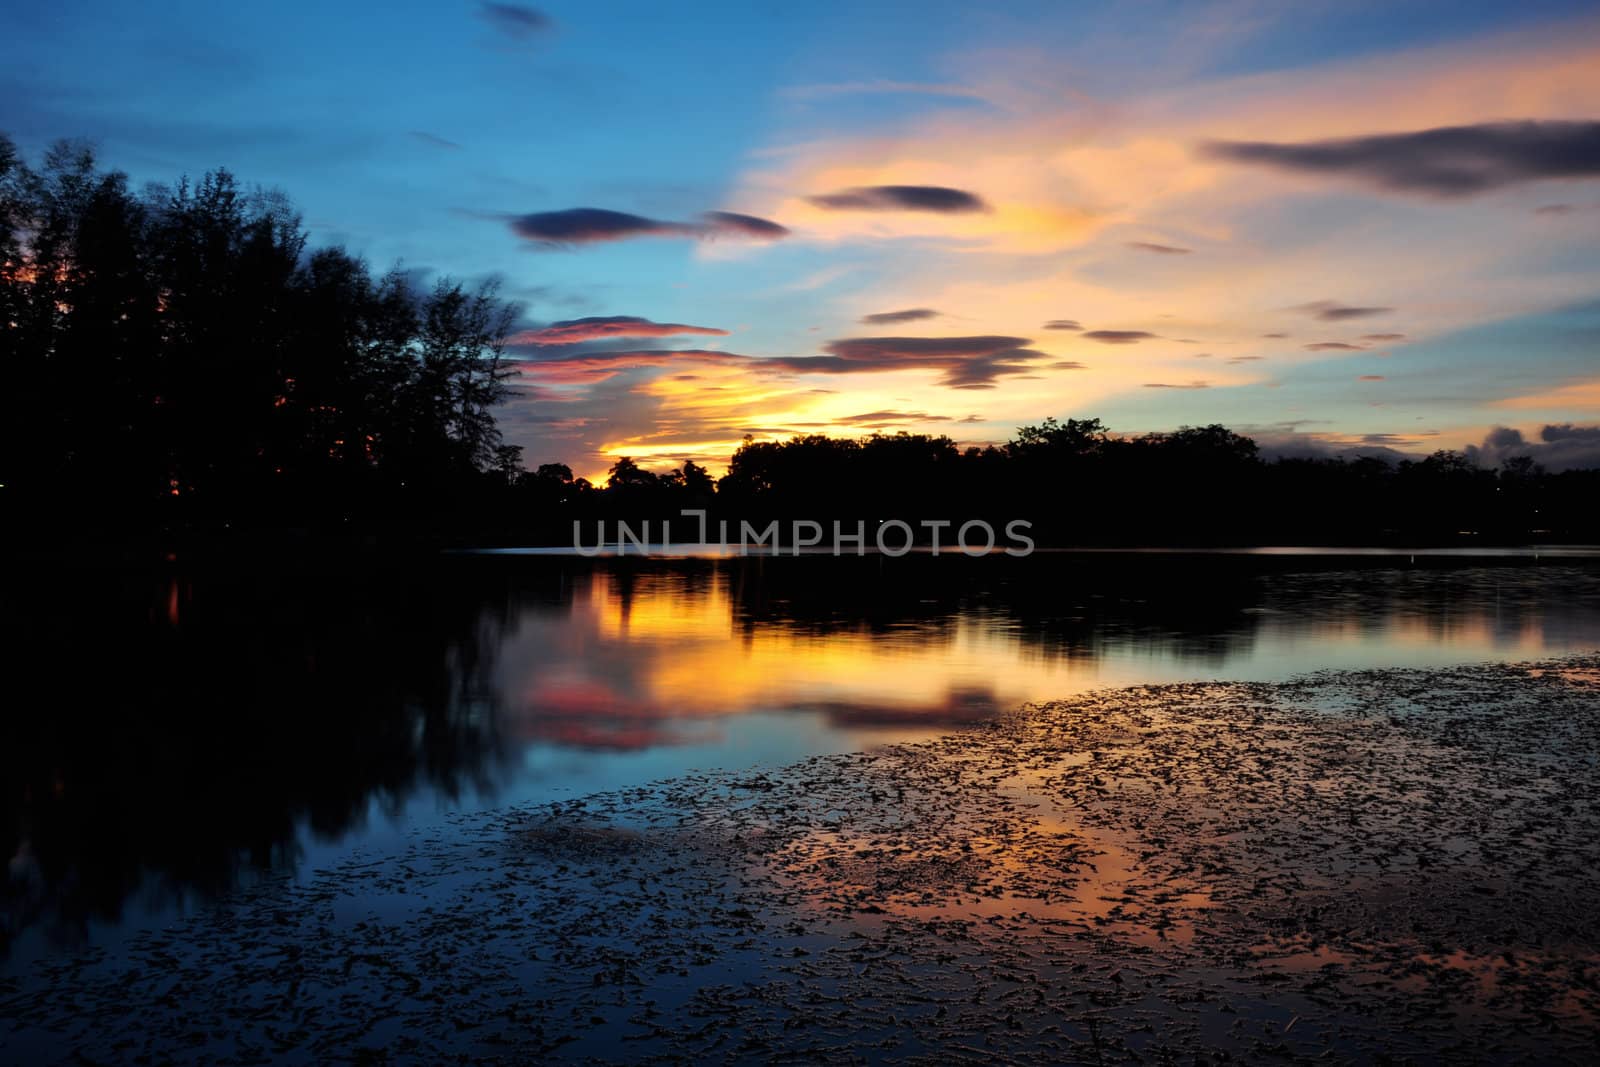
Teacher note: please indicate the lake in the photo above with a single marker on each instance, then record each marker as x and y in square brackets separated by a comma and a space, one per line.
[172, 734]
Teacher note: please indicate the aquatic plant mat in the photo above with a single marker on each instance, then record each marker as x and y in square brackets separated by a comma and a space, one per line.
[1348, 866]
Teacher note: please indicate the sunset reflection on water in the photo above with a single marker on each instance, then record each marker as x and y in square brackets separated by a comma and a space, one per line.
[240, 723]
[633, 659]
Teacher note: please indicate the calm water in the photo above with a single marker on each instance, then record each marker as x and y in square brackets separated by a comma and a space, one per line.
[171, 735]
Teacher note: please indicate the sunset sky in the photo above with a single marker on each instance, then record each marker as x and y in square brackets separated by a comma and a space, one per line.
[1329, 225]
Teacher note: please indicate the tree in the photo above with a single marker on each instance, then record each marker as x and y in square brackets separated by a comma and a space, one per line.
[695, 479]
[1075, 437]
[183, 356]
[508, 462]
[627, 475]
[558, 473]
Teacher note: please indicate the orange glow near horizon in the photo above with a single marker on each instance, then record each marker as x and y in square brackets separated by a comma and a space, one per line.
[1107, 212]
[643, 657]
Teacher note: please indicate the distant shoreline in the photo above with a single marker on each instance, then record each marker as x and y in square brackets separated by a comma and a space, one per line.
[288, 547]
[690, 550]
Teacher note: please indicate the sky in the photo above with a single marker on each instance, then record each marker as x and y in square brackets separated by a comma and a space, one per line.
[1332, 225]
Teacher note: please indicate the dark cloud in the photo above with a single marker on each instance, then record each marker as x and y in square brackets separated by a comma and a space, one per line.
[433, 139]
[1333, 311]
[936, 198]
[572, 331]
[1276, 336]
[889, 318]
[546, 294]
[874, 418]
[592, 225]
[877, 347]
[1062, 324]
[1185, 385]
[1245, 359]
[1119, 337]
[1164, 250]
[516, 21]
[1446, 161]
[966, 362]
[1371, 378]
[733, 224]
[1560, 447]
[1068, 364]
[1287, 441]
[592, 367]
[1562, 210]
[1332, 346]
[1381, 337]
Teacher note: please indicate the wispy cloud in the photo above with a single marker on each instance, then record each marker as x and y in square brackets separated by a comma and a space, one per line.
[733, 224]
[574, 331]
[516, 21]
[964, 362]
[890, 318]
[1582, 395]
[434, 140]
[884, 418]
[939, 199]
[1119, 337]
[592, 367]
[592, 225]
[1333, 311]
[1445, 161]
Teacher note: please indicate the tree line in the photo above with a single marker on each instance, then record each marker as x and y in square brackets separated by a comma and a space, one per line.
[1077, 482]
[180, 355]
[180, 361]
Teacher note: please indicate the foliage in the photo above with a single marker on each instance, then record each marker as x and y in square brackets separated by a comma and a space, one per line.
[182, 354]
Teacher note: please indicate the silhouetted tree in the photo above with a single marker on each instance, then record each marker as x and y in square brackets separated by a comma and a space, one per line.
[181, 357]
[627, 475]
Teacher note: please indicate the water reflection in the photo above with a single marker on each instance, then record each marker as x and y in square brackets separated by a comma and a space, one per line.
[166, 735]
[641, 657]
[171, 734]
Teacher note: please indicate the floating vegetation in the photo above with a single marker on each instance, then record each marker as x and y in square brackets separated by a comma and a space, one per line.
[1347, 866]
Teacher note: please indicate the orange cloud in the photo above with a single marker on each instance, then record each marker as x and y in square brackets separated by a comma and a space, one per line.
[1070, 183]
[571, 331]
[1580, 396]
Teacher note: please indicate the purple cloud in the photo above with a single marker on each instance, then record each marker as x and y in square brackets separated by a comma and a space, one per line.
[936, 198]
[593, 225]
[966, 362]
[1119, 337]
[890, 318]
[1446, 161]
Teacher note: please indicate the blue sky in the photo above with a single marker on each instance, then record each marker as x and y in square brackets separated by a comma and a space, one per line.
[419, 132]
